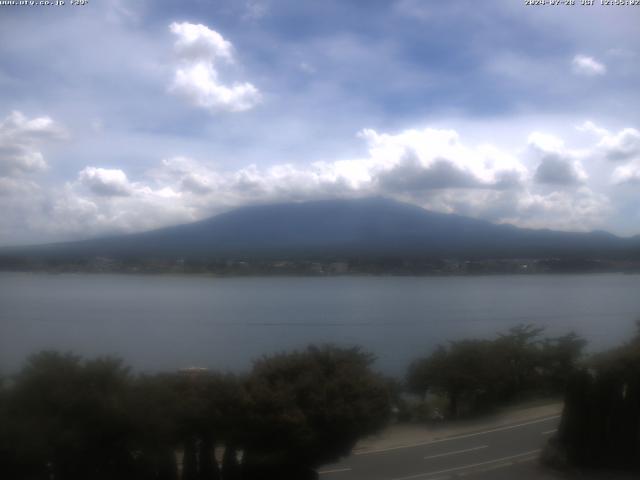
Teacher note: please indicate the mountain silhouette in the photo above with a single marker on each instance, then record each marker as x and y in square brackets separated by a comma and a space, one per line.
[347, 228]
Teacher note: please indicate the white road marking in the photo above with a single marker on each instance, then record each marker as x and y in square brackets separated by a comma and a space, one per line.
[335, 470]
[491, 468]
[549, 432]
[466, 467]
[456, 452]
[458, 437]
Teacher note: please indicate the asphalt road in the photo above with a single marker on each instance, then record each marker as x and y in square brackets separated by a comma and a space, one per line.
[495, 453]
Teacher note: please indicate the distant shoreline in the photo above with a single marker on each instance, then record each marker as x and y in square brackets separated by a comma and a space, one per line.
[363, 274]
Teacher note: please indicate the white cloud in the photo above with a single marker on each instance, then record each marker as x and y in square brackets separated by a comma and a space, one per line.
[589, 66]
[199, 50]
[420, 165]
[627, 174]
[199, 43]
[622, 146]
[20, 140]
[441, 159]
[544, 142]
[107, 182]
[429, 167]
[578, 210]
[592, 128]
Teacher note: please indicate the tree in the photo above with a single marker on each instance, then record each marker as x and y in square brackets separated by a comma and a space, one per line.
[70, 418]
[600, 425]
[210, 411]
[559, 360]
[466, 372]
[153, 405]
[309, 408]
[479, 374]
[8, 459]
[519, 349]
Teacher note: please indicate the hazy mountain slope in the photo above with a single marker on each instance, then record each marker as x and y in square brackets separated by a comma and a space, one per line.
[373, 226]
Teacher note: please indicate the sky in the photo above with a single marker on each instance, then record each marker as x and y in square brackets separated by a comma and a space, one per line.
[122, 116]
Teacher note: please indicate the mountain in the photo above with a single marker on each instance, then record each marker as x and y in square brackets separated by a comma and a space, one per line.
[341, 228]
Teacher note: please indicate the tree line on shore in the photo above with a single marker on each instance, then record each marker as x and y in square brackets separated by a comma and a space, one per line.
[66, 418]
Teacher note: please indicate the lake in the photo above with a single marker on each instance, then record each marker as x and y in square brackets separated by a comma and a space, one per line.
[169, 322]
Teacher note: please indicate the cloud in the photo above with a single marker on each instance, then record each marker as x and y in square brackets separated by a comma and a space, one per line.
[436, 158]
[580, 209]
[557, 165]
[429, 167]
[20, 139]
[307, 68]
[420, 165]
[186, 175]
[106, 182]
[199, 51]
[590, 127]
[627, 174]
[181, 189]
[589, 66]
[556, 170]
[255, 9]
[409, 175]
[117, 12]
[622, 146]
[199, 43]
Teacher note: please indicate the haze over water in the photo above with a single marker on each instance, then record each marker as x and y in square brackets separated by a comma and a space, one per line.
[169, 322]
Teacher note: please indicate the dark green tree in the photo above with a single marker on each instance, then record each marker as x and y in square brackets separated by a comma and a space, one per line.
[477, 375]
[309, 408]
[519, 350]
[600, 424]
[71, 418]
[560, 358]
[467, 372]
[230, 466]
[153, 407]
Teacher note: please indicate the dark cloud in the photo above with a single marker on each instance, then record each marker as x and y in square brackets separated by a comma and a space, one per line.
[556, 170]
[409, 175]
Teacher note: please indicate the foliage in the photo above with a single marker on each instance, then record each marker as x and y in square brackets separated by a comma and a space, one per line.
[65, 418]
[69, 418]
[476, 375]
[600, 425]
[308, 408]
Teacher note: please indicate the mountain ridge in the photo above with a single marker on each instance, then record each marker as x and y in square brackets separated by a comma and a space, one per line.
[374, 226]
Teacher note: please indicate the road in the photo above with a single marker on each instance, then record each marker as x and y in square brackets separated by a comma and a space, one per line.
[508, 451]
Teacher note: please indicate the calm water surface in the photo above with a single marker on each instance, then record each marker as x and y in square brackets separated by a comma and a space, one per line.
[167, 322]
